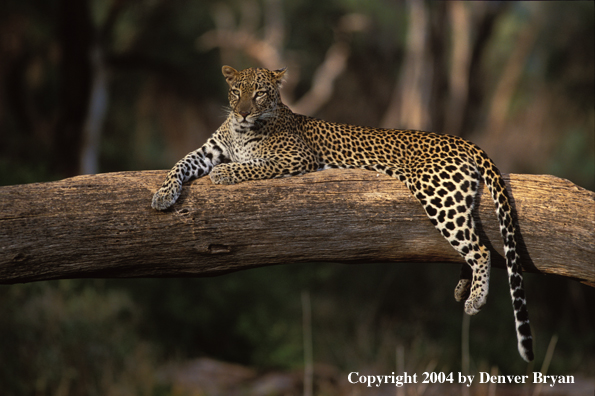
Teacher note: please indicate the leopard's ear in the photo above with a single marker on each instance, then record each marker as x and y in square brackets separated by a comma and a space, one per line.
[229, 73]
[279, 75]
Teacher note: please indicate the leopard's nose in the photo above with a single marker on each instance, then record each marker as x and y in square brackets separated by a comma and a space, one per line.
[244, 114]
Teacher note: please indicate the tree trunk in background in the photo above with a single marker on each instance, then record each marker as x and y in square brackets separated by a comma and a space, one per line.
[103, 226]
[98, 101]
[458, 14]
[483, 29]
[409, 107]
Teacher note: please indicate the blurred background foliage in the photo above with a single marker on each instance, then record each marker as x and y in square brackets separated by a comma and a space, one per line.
[90, 86]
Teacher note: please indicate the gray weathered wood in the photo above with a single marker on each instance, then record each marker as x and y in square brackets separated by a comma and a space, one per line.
[103, 226]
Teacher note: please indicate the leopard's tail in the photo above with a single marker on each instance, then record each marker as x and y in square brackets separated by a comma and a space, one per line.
[504, 210]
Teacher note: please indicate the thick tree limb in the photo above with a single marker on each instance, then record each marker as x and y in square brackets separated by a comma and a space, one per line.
[103, 226]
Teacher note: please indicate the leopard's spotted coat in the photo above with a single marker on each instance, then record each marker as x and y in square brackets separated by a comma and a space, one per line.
[262, 138]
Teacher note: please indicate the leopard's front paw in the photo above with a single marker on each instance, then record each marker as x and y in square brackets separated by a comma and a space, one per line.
[164, 198]
[222, 174]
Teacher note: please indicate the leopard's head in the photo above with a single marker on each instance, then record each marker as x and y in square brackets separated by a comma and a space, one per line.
[253, 93]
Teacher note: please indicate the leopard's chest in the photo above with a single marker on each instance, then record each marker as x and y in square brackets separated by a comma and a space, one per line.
[242, 153]
[246, 146]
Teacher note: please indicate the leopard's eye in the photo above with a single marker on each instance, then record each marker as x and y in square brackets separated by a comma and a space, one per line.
[259, 94]
[235, 92]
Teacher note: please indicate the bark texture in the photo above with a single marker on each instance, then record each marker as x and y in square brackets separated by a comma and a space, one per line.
[103, 226]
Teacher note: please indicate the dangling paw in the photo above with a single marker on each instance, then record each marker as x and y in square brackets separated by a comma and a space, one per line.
[475, 302]
[462, 290]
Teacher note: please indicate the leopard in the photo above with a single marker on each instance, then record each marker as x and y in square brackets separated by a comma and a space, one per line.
[261, 138]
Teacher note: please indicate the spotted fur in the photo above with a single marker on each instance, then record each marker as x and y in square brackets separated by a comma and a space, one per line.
[262, 139]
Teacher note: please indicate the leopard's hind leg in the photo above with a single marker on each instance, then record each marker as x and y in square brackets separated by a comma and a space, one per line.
[448, 198]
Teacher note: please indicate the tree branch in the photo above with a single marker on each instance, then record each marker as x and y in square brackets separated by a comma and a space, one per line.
[103, 226]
